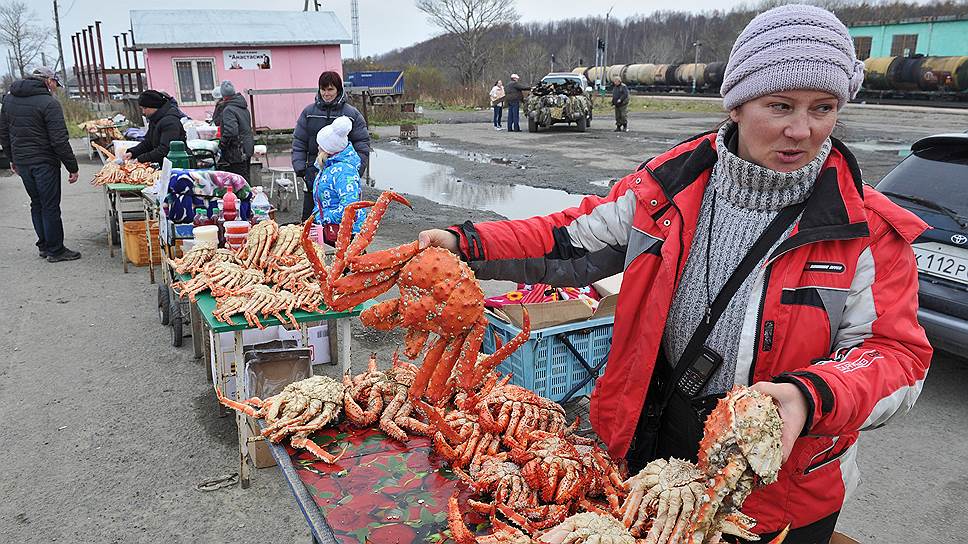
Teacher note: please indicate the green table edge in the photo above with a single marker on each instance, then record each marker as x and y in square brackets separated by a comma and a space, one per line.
[125, 187]
[206, 305]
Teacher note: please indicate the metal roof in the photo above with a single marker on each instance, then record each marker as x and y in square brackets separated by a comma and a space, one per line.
[170, 29]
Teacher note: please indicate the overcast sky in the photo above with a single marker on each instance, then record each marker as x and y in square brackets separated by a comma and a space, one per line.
[384, 24]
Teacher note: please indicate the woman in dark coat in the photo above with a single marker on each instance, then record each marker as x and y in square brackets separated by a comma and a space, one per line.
[330, 103]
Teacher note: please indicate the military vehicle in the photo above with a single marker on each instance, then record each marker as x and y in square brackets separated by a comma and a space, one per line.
[560, 97]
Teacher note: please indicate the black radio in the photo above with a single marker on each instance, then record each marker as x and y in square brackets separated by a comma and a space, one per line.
[697, 375]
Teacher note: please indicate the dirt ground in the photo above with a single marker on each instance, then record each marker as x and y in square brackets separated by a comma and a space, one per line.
[109, 428]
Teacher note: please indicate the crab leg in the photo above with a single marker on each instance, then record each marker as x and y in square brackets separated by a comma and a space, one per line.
[247, 407]
[301, 440]
[318, 266]
[436, 390]
[430, 362]
[494, 359]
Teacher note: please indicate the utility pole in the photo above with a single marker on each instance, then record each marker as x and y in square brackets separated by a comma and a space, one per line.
[695, 66]
[355, 19]
[60, 47]
[605, 52]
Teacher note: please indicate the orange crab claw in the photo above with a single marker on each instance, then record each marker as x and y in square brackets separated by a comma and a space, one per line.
[438, 421]
[319, 267]
[248, 407]
[494, 359]
[782, 536]
[373, 220]
[455, 521]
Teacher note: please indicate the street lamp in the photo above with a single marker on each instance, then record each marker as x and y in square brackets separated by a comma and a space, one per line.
[695, 65]
[605, 52]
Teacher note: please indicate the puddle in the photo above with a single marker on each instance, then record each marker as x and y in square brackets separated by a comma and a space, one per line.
[607, 183]
[888, 146]
[483, 158]
[437, 182]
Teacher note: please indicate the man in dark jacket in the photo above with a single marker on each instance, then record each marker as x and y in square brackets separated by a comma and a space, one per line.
[34, 134]
[236, 142]
[330, 103]
[513, 95]
[620, 99]
[164, 127]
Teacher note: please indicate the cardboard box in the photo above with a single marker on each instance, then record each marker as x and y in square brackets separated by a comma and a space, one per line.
[609, 286]
[259, 452]
[550, 314]
[318, 337]
[841, 538]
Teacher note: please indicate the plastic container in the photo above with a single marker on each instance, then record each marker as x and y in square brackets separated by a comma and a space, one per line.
[230, 205]
[206, 233]
[237, 227]
[260, 205]
[544, 364]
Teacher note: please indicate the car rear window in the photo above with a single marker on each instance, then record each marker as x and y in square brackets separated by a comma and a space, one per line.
[937, 173]
[561, 80]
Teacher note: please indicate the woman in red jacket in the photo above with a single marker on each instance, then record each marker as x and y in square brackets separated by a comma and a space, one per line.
[752, 255]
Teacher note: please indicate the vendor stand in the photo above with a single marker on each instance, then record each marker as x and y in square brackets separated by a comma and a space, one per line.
[117, 196]
[223, 370]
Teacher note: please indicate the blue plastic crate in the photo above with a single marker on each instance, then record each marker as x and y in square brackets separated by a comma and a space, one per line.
[544, 364]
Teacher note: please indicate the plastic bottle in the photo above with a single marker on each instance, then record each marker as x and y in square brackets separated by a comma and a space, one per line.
[230, 205]
[260, 205]
[201, 217]
[219, 220]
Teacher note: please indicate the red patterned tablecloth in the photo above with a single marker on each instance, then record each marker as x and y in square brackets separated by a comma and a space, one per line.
[380, 491]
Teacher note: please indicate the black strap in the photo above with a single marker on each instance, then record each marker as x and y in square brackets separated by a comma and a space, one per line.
[773, 231]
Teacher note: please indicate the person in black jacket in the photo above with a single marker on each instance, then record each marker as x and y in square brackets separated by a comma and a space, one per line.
[164, 127]
[236, 142]
[34, 134]
[330, 103]
[620, 99]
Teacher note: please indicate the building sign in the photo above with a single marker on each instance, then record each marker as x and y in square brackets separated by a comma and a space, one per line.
[247, 59]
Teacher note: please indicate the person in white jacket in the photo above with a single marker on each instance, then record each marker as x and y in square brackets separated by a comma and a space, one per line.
[497, 102]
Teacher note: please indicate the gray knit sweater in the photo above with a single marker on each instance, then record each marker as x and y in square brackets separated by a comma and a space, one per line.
[748, 197]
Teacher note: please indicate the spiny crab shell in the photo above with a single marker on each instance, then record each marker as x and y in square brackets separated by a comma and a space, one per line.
[748, 423]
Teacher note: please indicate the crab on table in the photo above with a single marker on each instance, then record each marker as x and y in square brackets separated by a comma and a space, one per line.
[439, 295]
[661, 500]
[459, 437]
[551, 464]
[302, 408]
[386, 395]
[513, 411]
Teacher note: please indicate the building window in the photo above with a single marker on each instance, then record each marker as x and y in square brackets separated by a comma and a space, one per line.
[904, 45]
[862, 46]
[195, 79]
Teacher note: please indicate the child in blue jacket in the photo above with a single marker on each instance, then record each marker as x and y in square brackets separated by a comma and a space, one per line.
[338, 183]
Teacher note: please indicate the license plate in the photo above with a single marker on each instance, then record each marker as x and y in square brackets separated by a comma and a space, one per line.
[556, 113]
[942, 261]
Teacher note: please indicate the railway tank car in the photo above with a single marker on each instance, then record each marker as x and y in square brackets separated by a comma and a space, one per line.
[916, 78]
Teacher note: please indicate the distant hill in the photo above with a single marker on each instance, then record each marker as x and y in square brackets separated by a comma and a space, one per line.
[661, 37]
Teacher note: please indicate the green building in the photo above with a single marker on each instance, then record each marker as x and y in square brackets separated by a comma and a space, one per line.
[929, 36]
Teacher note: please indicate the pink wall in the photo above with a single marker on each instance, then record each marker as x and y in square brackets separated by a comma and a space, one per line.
[292, 67]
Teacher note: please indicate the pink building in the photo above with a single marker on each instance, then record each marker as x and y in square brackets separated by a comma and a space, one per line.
[190, 52]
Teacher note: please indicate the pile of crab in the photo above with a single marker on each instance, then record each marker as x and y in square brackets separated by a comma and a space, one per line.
[269, 276]
[523, 462]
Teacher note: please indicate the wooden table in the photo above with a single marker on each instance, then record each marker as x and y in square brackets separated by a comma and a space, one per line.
[223, 370]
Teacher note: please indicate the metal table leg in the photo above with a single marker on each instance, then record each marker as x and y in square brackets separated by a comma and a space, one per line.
[108, 207]
[343, 328]
[197, 331]
[151, 257]
[120, 218]
[240, 421]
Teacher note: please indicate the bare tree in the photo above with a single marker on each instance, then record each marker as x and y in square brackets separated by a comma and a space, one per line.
[20, 31]
[469, 21]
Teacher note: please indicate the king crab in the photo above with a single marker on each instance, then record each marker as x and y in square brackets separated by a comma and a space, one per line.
[439, 295]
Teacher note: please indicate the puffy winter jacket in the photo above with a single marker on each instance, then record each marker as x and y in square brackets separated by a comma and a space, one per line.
[834, 310]
[32, 126]
[337, 186]
[620, 94]
[316, 116]
[236, 140]
[514, 92]
[164, 127]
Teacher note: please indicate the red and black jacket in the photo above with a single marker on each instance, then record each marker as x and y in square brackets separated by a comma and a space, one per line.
[833, 310]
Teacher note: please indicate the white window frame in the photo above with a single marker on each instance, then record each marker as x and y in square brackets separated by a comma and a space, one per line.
[195, 79]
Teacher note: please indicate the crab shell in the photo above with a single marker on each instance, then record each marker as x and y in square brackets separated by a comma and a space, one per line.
[750, 422]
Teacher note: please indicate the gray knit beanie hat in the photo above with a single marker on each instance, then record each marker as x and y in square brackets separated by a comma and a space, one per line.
[792, 47]
[227, 88]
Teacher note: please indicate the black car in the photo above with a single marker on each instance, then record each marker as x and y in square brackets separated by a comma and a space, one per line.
[932, 182]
